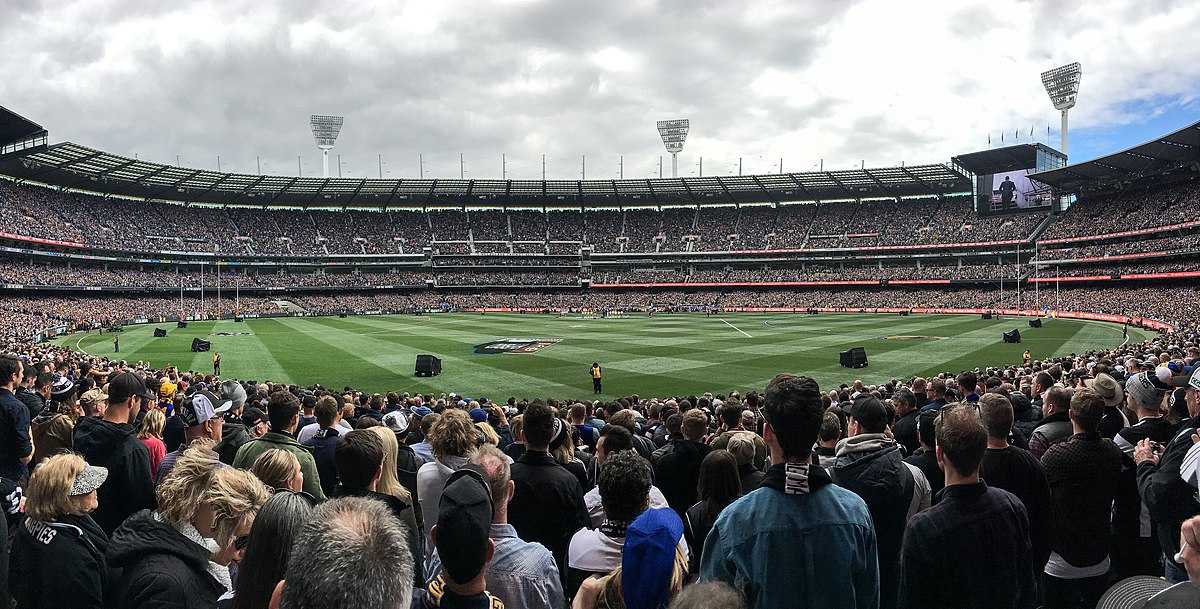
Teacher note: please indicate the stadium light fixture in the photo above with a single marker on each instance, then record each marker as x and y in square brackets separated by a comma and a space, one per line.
[1062, 85]
[325, 130]
[674, 134]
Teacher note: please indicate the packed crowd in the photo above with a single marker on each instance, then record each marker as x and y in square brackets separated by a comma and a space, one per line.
[813, 272]
[1171, 244]
[36, 212]
[1040, 482]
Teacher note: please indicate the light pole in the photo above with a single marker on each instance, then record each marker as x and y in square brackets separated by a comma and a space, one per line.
[674, 134]
[325, 130]
[1062, 85]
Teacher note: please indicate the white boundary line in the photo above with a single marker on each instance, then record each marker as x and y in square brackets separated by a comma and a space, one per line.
[735, 328]
[80, 349]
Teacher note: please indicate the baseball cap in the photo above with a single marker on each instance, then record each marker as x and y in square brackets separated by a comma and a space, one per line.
[396, 421]
[126, 385]
[88, 480]
[648, 559]
[870, 413]
[1108, 389]
[1190, 378]
[253, 416]
[200, 407]
[167, 389]
[422, 411]
[478, 415]
[232, 391]
[92, 397]
[464, 522]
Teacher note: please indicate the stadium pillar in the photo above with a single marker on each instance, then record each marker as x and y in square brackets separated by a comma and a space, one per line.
[1064, 132]
[674, 164]
[325, 163]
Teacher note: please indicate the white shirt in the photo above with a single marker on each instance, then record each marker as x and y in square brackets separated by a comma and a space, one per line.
[307, 432]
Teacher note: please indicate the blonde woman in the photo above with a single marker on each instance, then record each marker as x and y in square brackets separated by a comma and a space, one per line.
[389, 483]
[179, 555]
[489, 434]
[151, 435]
[57, 555]
[279, 469]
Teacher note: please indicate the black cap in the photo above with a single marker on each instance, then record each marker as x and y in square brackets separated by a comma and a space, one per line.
[126, 385]
[253, 416]
[870, 413]
[464, 522]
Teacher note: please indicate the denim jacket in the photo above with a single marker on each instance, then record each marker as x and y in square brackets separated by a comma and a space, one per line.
[796, 550]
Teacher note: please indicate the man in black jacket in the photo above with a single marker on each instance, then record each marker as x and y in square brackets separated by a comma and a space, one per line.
[547, 504]
[905, 429]
[111, 443]
[925, 459]
[677, 467]
[870, 464]
[1170, 499]
[16, 447]
[234, 432]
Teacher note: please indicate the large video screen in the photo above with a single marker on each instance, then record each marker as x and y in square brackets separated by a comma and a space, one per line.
[1011, 192]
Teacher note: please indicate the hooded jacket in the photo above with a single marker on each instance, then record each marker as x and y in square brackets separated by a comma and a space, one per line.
[41, 551]
[162, 569]
[51, 433]
[233, 435]
[129, 487]
[872, 466]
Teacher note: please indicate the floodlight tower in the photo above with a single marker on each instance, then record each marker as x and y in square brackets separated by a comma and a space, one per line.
[325, 130]
[1062, 84]
[674, 134]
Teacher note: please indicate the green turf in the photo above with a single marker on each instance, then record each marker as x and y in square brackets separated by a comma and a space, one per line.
[664, 355]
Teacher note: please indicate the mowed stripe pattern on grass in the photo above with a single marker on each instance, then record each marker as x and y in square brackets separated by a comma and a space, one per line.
[663, 355]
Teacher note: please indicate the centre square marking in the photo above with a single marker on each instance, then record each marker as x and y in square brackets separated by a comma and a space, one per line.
[514, 345]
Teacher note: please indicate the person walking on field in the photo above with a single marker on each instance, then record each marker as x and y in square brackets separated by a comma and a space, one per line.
[217, 363]
[595, 377]
[116, 343]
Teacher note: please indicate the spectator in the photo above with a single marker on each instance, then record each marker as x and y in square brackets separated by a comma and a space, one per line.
[453, 439]
[870, 464]
[283, 411]
[936, 393]
[360, 462]
[522, 573]
[269, 546]
[677, 467]
[323, 442]
[58, 551]
[1016, 470]
[51, 432]
[235, 432]
[110, 443]
[150, 434]
[423, 449]
[831, 432]
[624, 483]
[16, 447]
[178, 556]
[797, 511]
[1168, 497]
[718, 486]
[905, 428]
[972, 549]
[200, 415]
[547, 504]
[1132, 528]
[278, 469]
[1114, 397]
[407, 461]
[614, 439]
[1056, 424]
[709, 595]
[742, 447]
[464, 547]
[1083, 473]
[350, 554]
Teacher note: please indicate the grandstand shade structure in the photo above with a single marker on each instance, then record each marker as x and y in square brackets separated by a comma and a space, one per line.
[1172, 152]
[77, 167]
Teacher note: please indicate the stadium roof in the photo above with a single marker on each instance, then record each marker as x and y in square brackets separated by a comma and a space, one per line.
[997, 160]
[14, 127]
[1171, 152]
[72, 166]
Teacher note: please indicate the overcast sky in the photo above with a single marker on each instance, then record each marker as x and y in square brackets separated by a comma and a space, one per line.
[875, 81]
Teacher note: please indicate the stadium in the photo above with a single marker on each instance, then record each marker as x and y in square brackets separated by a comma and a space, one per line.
[967, 381]
[164, 244]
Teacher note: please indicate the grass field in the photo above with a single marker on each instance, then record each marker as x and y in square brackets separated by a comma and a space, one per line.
[663, 355]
